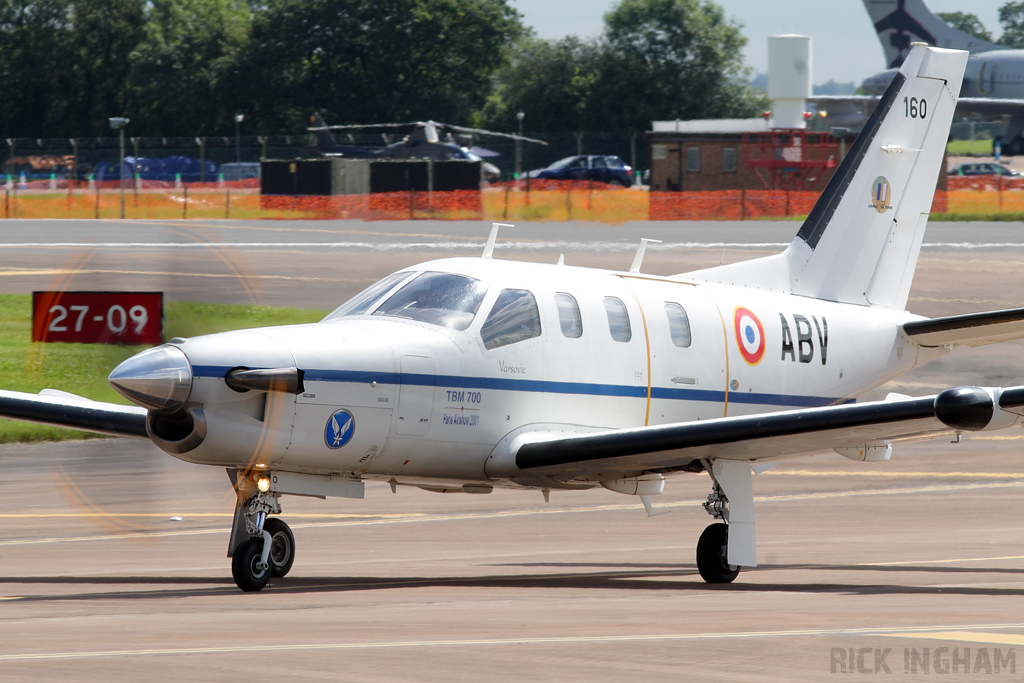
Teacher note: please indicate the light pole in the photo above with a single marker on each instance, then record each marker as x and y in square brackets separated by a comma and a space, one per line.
[118, 123]
[238, 123]
[519, 164]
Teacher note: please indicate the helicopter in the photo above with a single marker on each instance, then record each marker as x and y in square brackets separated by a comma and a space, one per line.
[423, 142]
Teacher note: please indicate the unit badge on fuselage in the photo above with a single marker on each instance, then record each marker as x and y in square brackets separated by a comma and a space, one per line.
[340, 429]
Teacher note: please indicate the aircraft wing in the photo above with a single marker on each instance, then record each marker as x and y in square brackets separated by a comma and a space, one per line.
[62, 409]
[973, 329]
[664, 448]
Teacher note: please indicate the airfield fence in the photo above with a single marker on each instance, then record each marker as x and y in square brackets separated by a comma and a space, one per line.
[550, 202]
[48, 196]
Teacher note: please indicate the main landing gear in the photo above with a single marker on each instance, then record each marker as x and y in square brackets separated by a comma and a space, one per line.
[269, 550]
[713, 545]
[711, 553]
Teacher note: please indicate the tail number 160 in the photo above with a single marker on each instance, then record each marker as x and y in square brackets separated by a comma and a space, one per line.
[914, 108]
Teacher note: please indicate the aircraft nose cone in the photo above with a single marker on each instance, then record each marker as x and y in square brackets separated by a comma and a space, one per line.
[159, 378]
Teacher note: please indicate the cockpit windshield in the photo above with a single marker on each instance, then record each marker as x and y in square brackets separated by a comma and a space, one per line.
[364, 301]
[441, 299]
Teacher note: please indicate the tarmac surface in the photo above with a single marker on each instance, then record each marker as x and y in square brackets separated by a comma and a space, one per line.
[113, 567]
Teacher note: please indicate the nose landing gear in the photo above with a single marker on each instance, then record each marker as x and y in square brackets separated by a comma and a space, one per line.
[269, 550]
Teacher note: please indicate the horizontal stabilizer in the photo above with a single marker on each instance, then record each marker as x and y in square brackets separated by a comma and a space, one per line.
[973, 329]
[74, 412]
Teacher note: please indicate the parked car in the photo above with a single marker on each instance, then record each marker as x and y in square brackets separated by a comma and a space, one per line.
[988, 168]
[602, 168]
[244, 170]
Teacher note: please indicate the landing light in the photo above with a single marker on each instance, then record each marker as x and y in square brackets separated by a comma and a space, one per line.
[263, 484]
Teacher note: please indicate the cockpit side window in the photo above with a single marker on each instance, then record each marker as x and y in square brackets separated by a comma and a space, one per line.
[678, 324]
[443, 299]
[513, 318]
[618, 319]
[569, 318]
[364, 301]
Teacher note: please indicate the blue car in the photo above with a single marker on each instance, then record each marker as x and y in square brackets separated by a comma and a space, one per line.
[602, 168]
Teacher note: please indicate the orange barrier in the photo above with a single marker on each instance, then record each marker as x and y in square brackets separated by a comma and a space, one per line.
[572, 202]
[575, 201]
[730, 205]
[984, 182]
[185, 203]
[458, 205]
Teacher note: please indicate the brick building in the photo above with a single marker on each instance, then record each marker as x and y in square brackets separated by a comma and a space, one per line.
[707, 155]
[693, 156]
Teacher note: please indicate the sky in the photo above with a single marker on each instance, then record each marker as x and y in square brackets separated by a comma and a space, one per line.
[845, 45]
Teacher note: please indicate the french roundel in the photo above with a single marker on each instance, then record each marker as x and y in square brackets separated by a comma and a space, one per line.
[749, 335]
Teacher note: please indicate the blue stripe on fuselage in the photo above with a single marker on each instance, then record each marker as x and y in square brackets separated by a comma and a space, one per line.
[544, 386]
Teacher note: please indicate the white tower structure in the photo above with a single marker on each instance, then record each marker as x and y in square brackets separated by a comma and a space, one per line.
[789, 79]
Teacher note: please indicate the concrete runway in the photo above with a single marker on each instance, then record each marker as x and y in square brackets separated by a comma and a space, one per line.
[884, 560]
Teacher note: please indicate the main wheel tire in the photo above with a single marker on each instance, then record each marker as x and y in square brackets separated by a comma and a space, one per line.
[282, 547]
[711, 553]
[243, 566]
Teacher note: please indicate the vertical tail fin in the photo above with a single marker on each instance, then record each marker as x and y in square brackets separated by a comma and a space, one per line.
[325, 143]
[861, 240]
[900, 23]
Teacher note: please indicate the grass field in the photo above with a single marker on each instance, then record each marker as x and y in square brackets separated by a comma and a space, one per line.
[83, 368]
[969, 147]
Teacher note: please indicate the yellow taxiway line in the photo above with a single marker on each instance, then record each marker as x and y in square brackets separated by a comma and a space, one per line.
[919, 632]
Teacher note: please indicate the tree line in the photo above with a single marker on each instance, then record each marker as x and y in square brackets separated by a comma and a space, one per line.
[187, 67]
[1011, 20]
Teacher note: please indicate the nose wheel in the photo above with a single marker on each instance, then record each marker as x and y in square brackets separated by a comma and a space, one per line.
[262, 557]
[247, 566]
[282, 547]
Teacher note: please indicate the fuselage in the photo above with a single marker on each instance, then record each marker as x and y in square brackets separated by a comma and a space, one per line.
[998, 74]
[545, 347]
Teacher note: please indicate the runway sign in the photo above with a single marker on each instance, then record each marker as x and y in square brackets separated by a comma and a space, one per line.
[98, 317]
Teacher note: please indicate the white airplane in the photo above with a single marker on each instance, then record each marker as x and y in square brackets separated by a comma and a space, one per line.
[467, 374]
[993, 84]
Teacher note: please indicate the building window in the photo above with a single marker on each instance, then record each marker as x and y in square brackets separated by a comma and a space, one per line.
[569, 315]
[728, 160]
[618, 319]
[693, 159]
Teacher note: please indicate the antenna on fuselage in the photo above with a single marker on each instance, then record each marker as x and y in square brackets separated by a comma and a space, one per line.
[639, 258]
[489, 247]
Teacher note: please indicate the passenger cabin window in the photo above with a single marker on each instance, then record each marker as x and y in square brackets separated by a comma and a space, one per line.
[678, 324]
[443, 299]
[364, 301]
[569, 315]
[513, 318]
[618, 319]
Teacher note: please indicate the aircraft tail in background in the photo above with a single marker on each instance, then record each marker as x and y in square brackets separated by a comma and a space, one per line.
[902, 22]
